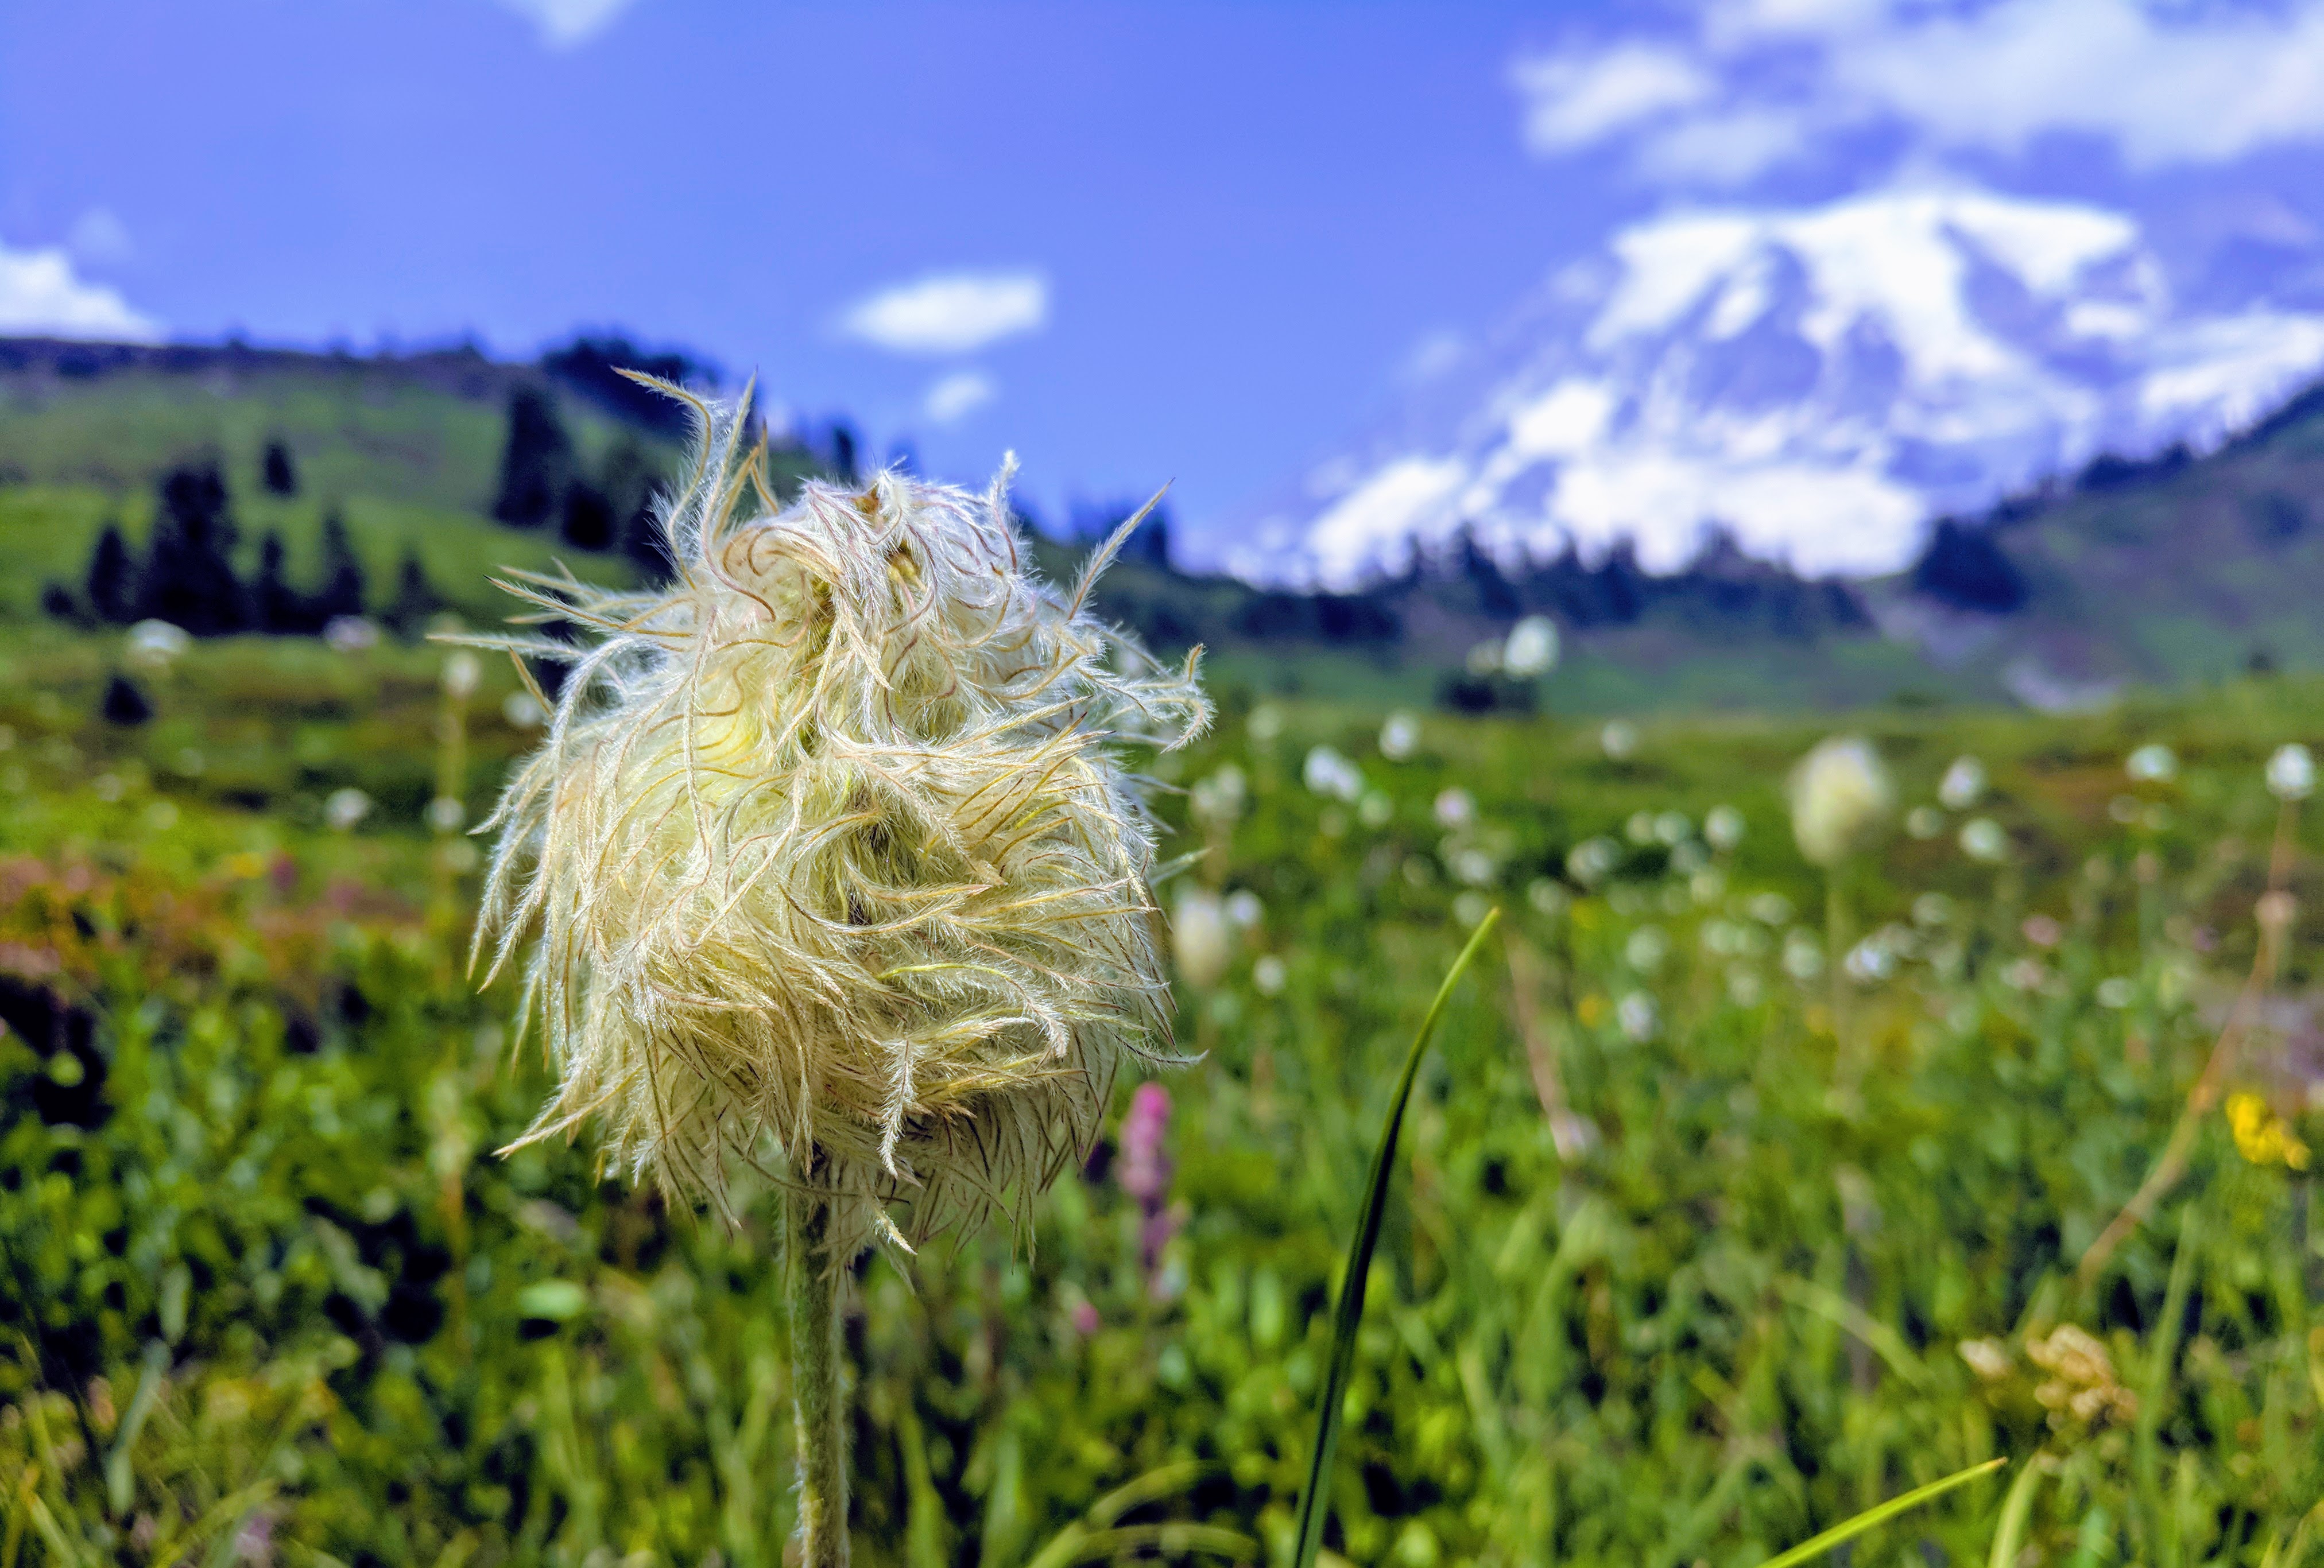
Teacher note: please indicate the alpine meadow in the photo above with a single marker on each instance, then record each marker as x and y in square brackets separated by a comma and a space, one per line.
[1836, 1105]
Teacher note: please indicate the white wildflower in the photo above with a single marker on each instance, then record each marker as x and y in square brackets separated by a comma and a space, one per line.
[344, 808]
[1963, 785]
[2291, 773]
[1399, 736]
[829, 855]
[1531, 649]
[1841, 798]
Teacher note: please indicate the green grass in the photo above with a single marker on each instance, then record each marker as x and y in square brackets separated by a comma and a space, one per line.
[1645, 1290]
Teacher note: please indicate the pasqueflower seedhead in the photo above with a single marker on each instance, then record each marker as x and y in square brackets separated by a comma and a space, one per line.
[1841, 799]
[829, 854]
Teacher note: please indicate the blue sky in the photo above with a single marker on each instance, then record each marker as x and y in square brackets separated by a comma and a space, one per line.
[1240, 221]
[1190, 242]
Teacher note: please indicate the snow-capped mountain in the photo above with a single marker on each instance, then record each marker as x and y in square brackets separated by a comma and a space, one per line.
[1818, 382]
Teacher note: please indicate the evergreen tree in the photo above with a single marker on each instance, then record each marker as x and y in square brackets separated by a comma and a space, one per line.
[415, 597]
[1494, 595]
[843, 452]
[275, 605]
[111, 585]
[627, 483]
[125, 703]
[342, 582]
[188, 578]
[537, 464]
[281, 474]
[588, 520]
[1965, 566]
[58, 603]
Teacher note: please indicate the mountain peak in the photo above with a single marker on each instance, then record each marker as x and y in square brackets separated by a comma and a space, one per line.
[1815, 381]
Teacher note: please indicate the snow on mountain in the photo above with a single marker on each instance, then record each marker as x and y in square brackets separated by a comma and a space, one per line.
[1819, 382]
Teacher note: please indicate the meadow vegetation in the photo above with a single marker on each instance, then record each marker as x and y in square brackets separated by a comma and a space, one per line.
[1713, 1224]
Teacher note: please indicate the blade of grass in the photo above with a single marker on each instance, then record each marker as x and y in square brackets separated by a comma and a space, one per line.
[2145, 1454]
[1877, 1336]
[2009, 1536]
[119, 1481]
[1848, 1530]
[1350, 1313]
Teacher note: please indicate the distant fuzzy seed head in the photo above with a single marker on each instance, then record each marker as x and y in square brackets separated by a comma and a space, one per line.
[827, 854]
[1841, 799]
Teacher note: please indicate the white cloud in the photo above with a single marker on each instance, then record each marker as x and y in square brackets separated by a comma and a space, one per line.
[1729, 148]
[2167, 90]
[959, 395]
[41, 295]
[564, 23]
[1578, 99]
[951, 313]
[1763, 81]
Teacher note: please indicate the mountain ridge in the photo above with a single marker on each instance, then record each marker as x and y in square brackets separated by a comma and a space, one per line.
[1818, 382]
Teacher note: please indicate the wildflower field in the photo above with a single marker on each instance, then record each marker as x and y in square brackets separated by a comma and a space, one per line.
[1734, 1197]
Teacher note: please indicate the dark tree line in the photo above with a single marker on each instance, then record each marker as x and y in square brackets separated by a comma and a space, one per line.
[187, 574]
[544, 482]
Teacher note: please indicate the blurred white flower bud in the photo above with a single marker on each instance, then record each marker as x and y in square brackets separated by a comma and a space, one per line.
[1455, 807]
[350, 634]
[1722, 828]
[1399, 737]
[1619, 738]
[2154, 763]
[1199, 938]
[1983, 838]
[1217, 801]
[1328, 773]
[2291, 773]
[462, 672]
[1636, 1016]
[523, 711]
[1589, 860]
[344, 808]
[1269, 976]
[1243, 909]
[446, 813]
[1841, 799]
[156, 644]
[1532, 647]
[1963, 785]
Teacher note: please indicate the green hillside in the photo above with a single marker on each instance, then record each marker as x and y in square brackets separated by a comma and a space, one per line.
[2172, 571]
[407, 449]
[2177, 570]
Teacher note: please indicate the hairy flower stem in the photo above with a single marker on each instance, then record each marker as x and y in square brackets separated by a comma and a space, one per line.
[813, 1275]
[1848, 1060]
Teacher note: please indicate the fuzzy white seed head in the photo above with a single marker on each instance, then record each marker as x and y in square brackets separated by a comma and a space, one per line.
[1963, 785]
[828, 859]
[1841, 799]
[1201, 942]
[2291, 773]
